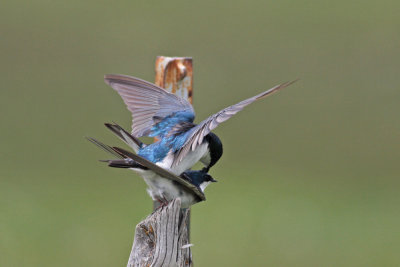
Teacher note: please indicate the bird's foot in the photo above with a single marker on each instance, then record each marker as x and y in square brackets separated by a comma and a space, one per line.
[163, 202]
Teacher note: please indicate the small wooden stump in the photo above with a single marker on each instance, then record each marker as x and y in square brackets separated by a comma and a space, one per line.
[162, 239]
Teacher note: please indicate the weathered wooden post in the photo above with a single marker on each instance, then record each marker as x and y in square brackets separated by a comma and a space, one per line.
[175, 74]
[162, 239]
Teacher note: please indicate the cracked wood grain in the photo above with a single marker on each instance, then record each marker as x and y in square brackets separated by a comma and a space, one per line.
[160, 237]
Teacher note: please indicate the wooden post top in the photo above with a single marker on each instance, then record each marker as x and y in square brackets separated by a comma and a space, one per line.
[175, 74]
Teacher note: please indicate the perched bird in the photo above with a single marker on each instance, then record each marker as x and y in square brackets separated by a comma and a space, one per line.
[163, 186]
[158, 113]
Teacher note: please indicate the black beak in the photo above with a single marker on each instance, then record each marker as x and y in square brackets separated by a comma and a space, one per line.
[213, 180]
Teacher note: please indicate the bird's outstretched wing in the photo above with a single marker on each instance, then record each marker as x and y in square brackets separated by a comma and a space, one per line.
[148, 103]
[197, 133]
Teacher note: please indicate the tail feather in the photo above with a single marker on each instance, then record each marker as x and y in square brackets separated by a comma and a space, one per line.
[125, 136]
[124, 163]
[106, 148]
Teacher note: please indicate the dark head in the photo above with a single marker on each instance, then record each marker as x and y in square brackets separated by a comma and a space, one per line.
[215, 148]
[198, 178]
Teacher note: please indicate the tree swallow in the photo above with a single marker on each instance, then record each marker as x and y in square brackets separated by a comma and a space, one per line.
[163, 186]
[169, 118]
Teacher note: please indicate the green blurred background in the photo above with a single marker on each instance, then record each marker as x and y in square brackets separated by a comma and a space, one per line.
[310, 176]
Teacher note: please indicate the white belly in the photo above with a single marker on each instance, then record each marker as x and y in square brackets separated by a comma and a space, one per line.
[187, 162]
[163, 189]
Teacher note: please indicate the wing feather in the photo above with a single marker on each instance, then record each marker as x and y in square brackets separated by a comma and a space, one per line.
[205, 127]
[146, 101]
